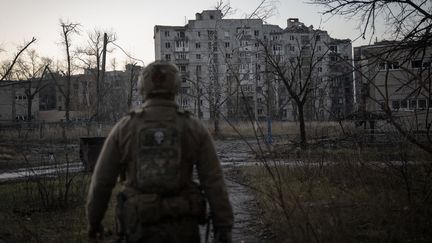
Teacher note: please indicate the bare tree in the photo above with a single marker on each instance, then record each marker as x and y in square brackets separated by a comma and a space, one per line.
[8, 68]
[68, 29]
[298, 74]
[91, 56]
[407, 20]
[32, 68]
[394, 78]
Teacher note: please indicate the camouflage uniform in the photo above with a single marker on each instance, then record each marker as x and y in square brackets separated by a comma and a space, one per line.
[118, 158]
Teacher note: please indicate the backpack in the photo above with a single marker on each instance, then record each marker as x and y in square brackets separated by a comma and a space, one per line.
[159, 155]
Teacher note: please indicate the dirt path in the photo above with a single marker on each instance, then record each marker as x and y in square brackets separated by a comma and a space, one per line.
[246, 229]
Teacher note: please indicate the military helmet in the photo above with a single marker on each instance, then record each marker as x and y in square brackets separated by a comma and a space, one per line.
[159, 78]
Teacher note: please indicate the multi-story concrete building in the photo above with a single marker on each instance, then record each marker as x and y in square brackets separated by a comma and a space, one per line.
[394, 80]
[15, 102]
[225, 70]
[117, 95]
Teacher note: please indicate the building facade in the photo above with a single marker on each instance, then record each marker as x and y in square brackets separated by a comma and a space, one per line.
[15, 101]
[394, 80]
[118, 94]
[225, 71]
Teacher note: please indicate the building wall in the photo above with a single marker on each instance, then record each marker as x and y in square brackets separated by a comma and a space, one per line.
[396, 79]
[14, 102]
[221, 59]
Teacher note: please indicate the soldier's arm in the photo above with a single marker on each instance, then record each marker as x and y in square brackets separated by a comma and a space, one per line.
[104, 179]
[211, 179]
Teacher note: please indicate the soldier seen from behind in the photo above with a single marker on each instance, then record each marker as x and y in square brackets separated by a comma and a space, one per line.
[154, 151]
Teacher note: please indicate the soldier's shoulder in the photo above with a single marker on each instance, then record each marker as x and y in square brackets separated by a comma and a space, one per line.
[134, 112]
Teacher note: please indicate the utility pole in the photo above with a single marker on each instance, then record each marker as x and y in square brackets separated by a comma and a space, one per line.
[102, 76]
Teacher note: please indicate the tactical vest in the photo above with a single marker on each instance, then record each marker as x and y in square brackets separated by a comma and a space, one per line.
[158, 162]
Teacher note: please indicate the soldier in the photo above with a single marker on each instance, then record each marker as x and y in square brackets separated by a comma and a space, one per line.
[154, 151]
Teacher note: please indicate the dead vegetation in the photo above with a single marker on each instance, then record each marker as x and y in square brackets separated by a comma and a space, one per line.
[345, 196]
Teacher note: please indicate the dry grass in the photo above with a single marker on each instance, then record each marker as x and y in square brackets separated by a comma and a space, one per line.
[290, 129]
[24, 219]
[349, 200]
[53, 131]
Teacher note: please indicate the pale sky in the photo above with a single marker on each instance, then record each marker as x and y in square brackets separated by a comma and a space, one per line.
[133, 22]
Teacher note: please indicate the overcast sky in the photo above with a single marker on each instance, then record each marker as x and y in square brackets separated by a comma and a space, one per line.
[133, 22]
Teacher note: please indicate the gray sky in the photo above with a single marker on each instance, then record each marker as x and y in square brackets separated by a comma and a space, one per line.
[133, 22]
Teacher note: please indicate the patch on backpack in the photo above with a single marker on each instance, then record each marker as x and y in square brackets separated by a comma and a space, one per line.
[158, 166]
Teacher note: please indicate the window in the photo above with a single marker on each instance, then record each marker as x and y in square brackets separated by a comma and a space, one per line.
[393, 65]
[167, 33]
[181, 34]
[388, 65]
[404, 104]
[412, 104]
[228, 56]
[305, 39]
[420, 64]
[244, 43]
[182, 56]
[256, 33]
[198, 68]
[256, 44]
[211, 16]
[211, 34]
[167, 45]
[395, 105]
[319, 48]
[291, 37]
[198, 56]
[416, 64]
[291, 48]
[319, 69]
[333, 48]
[197, 45]
[317, 37]
[275, 37]
[182, 68]
[277, 48]
[227, 44]
[199, 34]
[421, 103]
[167, 56]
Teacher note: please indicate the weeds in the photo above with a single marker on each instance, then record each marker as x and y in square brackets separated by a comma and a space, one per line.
[346, 200]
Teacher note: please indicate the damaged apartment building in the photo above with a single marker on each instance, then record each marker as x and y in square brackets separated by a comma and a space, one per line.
[44, 99]
[225, 71]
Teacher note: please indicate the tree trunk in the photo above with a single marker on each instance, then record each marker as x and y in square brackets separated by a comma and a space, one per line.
[29, 107]
[303, 141]
[216, 126]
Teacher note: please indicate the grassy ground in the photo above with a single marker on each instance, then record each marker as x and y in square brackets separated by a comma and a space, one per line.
[349, 200]
[25, 217]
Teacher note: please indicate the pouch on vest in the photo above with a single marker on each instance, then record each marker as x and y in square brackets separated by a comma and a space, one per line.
[159, 156]
[141, 209]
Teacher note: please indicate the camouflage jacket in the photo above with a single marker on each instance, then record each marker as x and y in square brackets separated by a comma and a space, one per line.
[118, 157]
